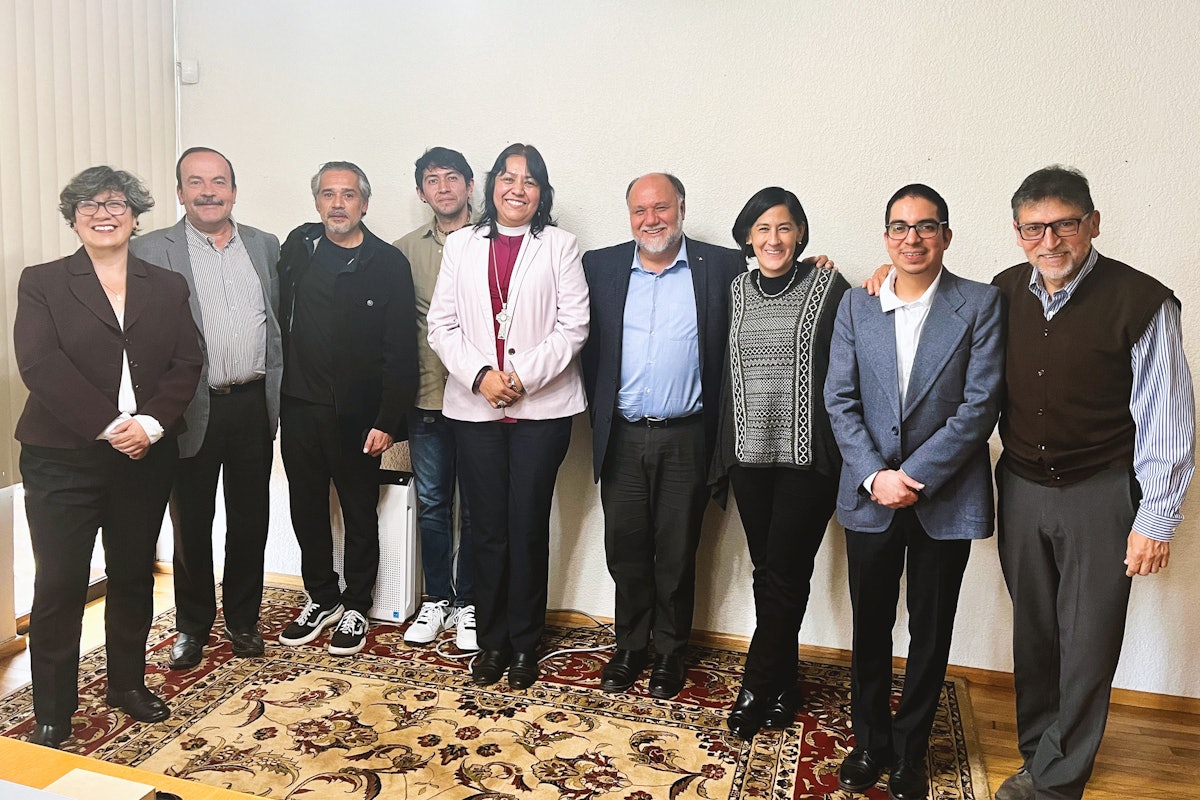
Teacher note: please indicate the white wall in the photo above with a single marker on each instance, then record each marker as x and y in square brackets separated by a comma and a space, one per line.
[841, 102]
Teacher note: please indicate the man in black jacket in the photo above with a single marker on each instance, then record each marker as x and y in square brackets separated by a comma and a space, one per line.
[349, 376]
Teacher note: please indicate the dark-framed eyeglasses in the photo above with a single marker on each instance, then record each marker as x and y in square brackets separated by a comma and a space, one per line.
[89, 207]
[926, 229]
[1032, 231]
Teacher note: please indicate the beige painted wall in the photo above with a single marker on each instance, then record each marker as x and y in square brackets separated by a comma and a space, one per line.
[841, 102]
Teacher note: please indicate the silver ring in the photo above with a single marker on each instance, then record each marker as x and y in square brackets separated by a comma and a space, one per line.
[500, 404]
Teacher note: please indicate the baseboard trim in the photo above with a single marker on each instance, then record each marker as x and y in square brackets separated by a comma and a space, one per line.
[12, 647]
[832, 655]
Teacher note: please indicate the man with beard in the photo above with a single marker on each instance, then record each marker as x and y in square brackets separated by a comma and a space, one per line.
[444, 183]
[652, 369]
[1098, 429]
[350, 375]
[231, 422]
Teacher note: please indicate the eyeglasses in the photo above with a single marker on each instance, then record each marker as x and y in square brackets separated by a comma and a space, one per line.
[926, 229]
[1032, 231]
[89, 207]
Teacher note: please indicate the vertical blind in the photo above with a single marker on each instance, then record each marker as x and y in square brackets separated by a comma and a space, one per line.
[82, 82]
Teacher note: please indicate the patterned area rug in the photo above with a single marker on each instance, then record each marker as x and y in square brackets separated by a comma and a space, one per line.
[402, 722]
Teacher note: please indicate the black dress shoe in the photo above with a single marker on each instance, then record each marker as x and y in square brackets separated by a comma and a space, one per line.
[49, 735]
[246, 644]
[908, 780]
[666, 679]
[746, 716]
[623, 669]
[859, 771]
[781, 712]
[523, 670]
[141, 704]
[186, 652]
[489, 666]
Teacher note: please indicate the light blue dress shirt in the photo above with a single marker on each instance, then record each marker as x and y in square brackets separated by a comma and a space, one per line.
[660, 345]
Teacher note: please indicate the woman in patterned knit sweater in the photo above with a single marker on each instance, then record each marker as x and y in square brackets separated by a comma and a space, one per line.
[774, 444]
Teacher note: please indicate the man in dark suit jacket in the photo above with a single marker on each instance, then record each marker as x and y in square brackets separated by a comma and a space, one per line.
[231, 421]
[913, 392]
[652, 370]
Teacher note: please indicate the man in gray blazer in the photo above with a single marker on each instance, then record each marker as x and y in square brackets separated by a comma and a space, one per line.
[913, 394]
[231, 422]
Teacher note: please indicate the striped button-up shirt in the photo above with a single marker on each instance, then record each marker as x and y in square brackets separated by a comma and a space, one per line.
[232, 307]
[1162, 407]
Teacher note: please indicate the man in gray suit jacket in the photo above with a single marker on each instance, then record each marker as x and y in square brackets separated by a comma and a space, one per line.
[231, 422]
[913, 394]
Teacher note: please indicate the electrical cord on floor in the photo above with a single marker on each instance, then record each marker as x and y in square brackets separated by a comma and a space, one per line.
[564, 651]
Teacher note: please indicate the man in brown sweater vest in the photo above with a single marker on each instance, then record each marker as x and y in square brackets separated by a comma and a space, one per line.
[1098, 431]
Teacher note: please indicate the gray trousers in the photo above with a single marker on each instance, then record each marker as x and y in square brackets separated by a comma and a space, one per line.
[1062, 550]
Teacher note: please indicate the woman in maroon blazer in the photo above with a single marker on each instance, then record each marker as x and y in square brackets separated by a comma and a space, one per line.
[108, 350]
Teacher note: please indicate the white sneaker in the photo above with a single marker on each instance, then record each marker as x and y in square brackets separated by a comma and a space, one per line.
[350, 635]
[464, 637]
[431, 620]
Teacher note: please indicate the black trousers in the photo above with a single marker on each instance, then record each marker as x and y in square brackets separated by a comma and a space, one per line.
[654, 490]
[935, 568]
[785, 513]
[69, 494]
[507, 473]
[1062, 550]
[237, 440]
[317, 449]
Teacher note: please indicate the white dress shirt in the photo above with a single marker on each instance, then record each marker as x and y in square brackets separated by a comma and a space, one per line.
[909, 318]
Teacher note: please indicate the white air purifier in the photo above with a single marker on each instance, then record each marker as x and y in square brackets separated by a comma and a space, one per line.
[398, 585]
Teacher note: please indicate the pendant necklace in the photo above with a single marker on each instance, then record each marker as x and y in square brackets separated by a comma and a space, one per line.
[119, 296]
[503, 318]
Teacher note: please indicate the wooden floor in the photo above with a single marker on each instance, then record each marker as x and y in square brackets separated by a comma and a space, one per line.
[1147, 754]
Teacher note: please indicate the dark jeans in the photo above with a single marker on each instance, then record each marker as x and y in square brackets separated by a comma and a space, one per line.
[238, 441]
[432, 448]
[508, 472]
[316, 449]
[785, 513]
[653, 489]
[69, 494]
[875, 562]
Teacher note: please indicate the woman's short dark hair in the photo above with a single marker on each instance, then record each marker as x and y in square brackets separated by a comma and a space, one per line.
[537, 170]
[762, 201]
[94, 180]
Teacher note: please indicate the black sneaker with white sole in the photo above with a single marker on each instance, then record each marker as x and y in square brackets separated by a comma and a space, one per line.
[350, 634]
[309, 624]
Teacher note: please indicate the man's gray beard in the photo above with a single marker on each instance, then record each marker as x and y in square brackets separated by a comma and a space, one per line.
[341, 228]
[668, 244]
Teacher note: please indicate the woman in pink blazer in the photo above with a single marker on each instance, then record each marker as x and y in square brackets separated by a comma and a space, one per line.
[508, 318]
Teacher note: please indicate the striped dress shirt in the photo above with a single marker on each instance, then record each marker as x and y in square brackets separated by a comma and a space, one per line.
[1162, 406]
[232, 306]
